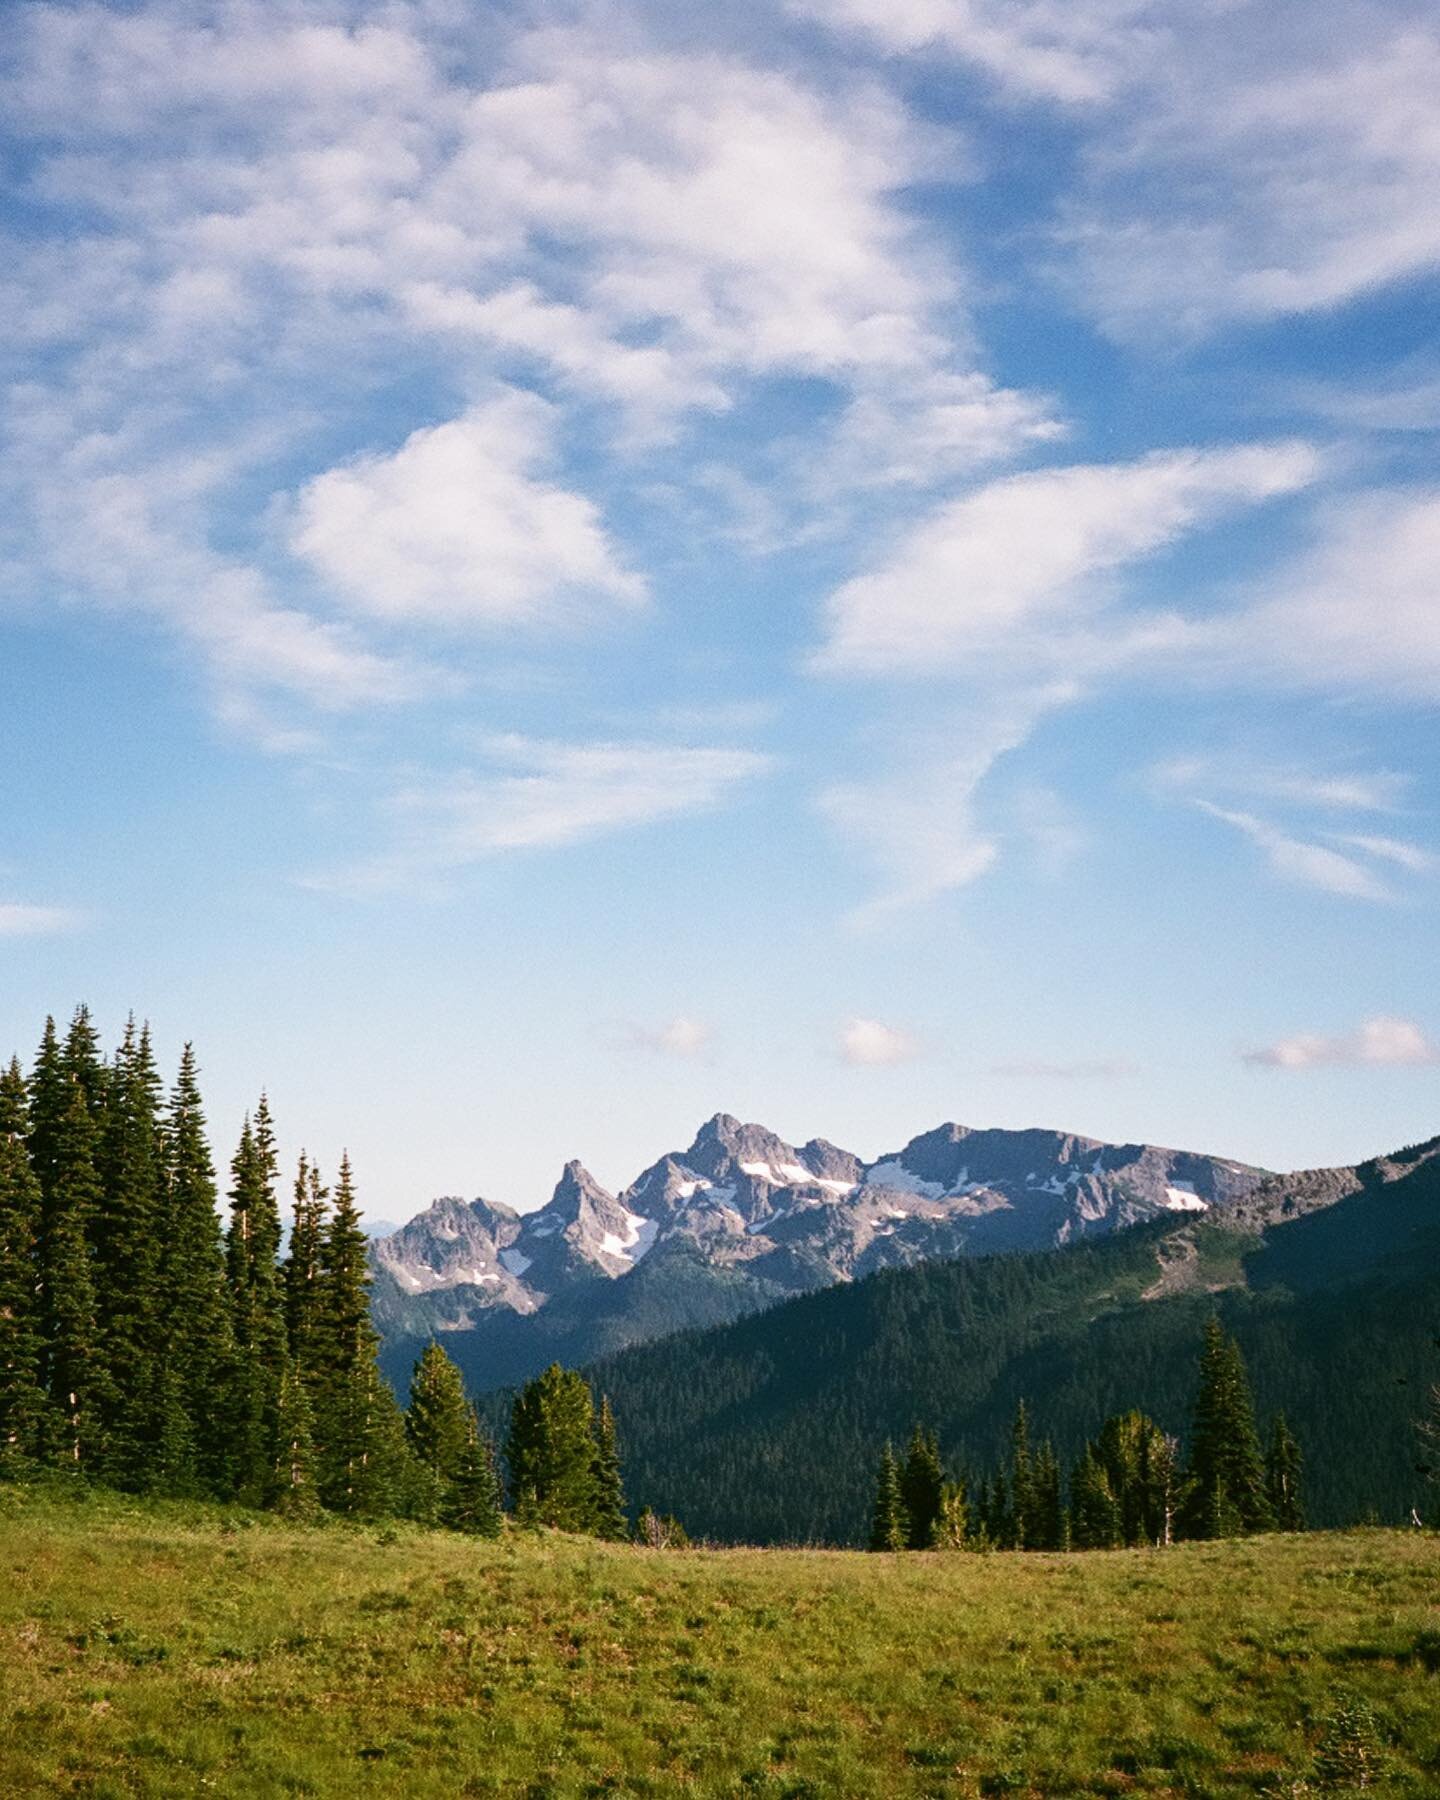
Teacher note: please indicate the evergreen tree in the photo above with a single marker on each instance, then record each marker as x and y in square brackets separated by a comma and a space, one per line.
[358, 1428]
[128, 1229]
[1050, 1529]
[439, 1421]
[472, 1499]
[609, 1518]
[1163, 1487]
[49, 1105]
[293, 1484]
[83, 1064]
[952, 1528]
[997, 1518]
[199, 1345]
[301, 1278]
[1095, 1522]
[71, 1369]
[889, 1527]
[1227, 1471]
[252, 1246]
[172, 1466]
[551, 1451]
[922, 1482]
[1022, 1483]
[22, 1400]
[1283, 1464]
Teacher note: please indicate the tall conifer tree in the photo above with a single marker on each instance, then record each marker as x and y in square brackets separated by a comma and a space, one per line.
[1227, 1471]
[49, 1103]
[128, 1232]
[472, 1499]
[22, 1400]
[610, 1518]
[1283, 1466]
[301, 1275]
[551, 1451]
[72, 1369]
[922, 1482]
[200, 1348]
[257, 1311]
[889, 1527]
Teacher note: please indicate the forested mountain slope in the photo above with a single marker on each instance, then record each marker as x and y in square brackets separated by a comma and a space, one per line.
[766, 1430]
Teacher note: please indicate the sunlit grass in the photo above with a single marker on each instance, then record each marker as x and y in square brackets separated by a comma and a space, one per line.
[172, 1650]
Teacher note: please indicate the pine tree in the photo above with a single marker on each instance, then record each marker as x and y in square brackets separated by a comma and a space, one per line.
[128, 1231]
[354, 1426]
[1227, 1471]
[952, 1528]
[72, 1370]
[922, 1482]
[257, 1311]
[439, 1421]
[1095, 1522]
[83, 1064]
[1283, 1464]
[1163, 1487]
[301, 1275]
[49, 1105]
[293, 1485]
[1050, 1529]
[551, 1451]
[1022, 1483]
[609, 1518]
[889, 1527]
[22, 1400]
[472, 1499]
[200, 1349]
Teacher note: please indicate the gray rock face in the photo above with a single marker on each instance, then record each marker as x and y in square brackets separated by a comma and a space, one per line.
[748, 1207]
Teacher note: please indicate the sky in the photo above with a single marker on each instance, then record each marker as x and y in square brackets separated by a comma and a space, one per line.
[851, 562]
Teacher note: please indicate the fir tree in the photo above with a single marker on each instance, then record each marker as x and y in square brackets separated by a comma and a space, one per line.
[356, 1421]
[439, 1421]
[22, 1400]
[1227, 1471]
[952, 1527]
[199, 1345]
[301, 1275]
[922, 1482]
[1283, 1465]
[1095, 1522]
[257, 1312]
[293, 1485]
[49, 1105]
[1050, 1527]
[551, 1451]
[1022, 1483]
[83, 1064]
[172, 1466]
[889, 1527]
[1163, 1487]
[472, 1498]
[128, 1230]
[609, 1519]
[72, 1371]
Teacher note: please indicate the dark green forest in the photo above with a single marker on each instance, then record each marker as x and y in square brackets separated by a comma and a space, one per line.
[767, 1430]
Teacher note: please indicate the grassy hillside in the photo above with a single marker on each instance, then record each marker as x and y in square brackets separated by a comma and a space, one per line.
[171, 1650]
[765, 1431]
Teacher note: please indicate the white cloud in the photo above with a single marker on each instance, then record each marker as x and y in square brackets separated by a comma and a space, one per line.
[556, 794]
[682, 1037]
[868, 1043]
[1021, 568]
[20, 919]
[1390, 849]
[1067, 50]
[455, 526]
[1358, 612]
[1375, 790]
[1383, 1042]
[1309, 864]
[1229, 193]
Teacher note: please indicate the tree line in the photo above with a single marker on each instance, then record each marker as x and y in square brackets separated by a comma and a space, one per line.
[1129, 1486]
[147, 1344]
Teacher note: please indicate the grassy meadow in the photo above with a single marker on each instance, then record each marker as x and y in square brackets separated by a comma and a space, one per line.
[165, 1649]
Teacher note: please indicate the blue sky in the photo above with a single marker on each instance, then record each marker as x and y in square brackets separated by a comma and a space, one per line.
[855, 563]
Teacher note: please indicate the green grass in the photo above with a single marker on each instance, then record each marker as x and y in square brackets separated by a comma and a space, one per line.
[172, 1650]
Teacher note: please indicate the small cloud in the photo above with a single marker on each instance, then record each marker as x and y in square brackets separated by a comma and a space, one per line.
[1311, 865]
[1381, 1042]
[1104, 1069]
[20, 920]
[867, 1043]
[1394, 850]
[682, 1037]
[1373, 790]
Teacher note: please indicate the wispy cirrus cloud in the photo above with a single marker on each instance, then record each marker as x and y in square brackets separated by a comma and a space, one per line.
[540, 794]
[1024, 569]
[1296, 859]
[1382, 1042]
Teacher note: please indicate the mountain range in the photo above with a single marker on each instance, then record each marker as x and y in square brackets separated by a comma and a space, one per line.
[767, 1430]
[742, 1219]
